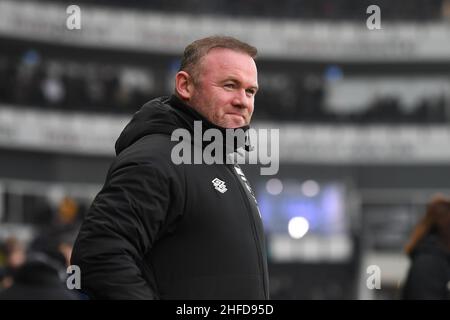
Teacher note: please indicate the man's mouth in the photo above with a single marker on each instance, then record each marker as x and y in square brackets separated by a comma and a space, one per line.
[237, 115]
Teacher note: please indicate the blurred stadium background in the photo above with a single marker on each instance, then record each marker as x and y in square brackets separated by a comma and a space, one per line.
[363, 118]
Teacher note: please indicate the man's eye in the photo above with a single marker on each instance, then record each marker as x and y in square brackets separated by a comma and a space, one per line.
[251, 92]
[229, 85]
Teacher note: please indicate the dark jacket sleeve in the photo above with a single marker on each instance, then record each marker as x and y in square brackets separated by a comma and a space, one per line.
[123, 222]
[427, 278]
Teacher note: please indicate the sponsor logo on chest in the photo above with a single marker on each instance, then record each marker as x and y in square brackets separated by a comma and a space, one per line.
[219, 185]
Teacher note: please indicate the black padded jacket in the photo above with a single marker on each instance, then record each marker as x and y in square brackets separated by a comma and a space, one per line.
[158, 230]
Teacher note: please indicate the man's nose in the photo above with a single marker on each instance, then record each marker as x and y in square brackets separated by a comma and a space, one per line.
[241, 100]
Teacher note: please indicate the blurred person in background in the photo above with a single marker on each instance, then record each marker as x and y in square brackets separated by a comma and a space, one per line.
[14, 254]
[43, 275]
[429, 252]
[67, 225]
[158, 230]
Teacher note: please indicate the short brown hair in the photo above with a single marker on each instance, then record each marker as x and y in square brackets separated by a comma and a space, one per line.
[199, 48]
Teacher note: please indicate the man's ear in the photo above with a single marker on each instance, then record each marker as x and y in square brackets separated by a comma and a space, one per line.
[184, 85]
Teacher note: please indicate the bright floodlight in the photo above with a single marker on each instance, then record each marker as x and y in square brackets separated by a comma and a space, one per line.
[298, 227]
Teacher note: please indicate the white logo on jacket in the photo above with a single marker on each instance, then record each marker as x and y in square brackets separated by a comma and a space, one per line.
[219, 185]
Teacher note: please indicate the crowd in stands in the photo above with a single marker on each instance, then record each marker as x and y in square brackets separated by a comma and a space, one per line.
[36, 268]
[33, 80]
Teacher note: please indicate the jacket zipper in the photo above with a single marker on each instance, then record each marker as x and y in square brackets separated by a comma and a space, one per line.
[255, 233]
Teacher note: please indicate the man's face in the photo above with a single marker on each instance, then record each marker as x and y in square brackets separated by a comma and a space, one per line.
[225, 90]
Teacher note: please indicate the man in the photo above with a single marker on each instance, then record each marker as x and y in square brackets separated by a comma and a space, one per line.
[158, 230]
